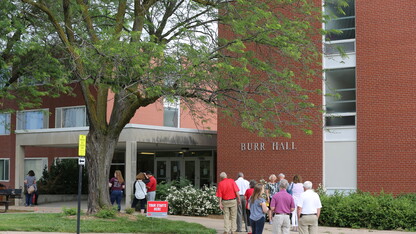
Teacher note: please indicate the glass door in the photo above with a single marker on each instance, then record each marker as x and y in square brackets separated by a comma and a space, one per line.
[205, 172]
[197, 170]
[175, 170]
[161, 173]
[190, 171]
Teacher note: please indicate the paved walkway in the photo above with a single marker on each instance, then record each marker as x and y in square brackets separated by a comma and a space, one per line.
[214, 223]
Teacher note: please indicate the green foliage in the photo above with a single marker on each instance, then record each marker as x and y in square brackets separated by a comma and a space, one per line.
[129, 210]
[257, 70]
[69, 211]
[171, 54]
[365, 210]
[192, 201]
[163, 188]
[107, 212]
[62, 178]
[42, 222]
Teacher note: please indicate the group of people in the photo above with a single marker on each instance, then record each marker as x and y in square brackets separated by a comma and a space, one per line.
[286, 204]
[144, 189]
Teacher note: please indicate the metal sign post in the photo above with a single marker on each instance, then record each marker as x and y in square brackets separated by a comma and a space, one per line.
[82, 146]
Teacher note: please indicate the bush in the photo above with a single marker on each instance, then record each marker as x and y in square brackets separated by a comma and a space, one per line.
[69, 211]
[107, 212]
[62, 178]
[162, 188]
[365, 210]
[130, 210]
[191, 201]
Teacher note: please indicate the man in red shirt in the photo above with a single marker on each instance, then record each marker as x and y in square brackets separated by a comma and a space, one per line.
[151, 186]
[227, 193]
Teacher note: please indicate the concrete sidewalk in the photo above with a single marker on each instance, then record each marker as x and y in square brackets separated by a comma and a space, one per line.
[210, 222]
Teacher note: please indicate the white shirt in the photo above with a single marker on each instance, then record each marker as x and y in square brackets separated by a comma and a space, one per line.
[141, 190]
[297, 192]
[243, 185]
[310, 202]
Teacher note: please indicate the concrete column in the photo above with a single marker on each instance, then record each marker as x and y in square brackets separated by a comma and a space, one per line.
[19, 169]
[130, 169]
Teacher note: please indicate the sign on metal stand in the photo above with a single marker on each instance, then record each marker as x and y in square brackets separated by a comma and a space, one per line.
[82, 146]
[157, 209]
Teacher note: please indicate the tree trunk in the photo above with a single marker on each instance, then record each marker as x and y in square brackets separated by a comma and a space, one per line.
[100, 151]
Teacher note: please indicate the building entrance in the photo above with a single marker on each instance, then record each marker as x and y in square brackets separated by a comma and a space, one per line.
[198, 170]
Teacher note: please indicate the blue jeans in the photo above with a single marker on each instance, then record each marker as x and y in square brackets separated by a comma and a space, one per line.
[257, 226]
[116, 195]
[29, 198]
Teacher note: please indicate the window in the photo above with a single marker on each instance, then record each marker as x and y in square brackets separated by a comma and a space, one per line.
[35, 119]
[4, 169]
[4, 76]
[340, 97]
[67, 117]
[4, 124]
[36, 165]
[171, 113]
[342, 19]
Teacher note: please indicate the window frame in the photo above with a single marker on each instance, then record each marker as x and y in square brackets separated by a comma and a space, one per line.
[175, 106]
[7, 125]
[45, 120]
[340, 114]
[59, 116]
[336, 17]
[8, 175]
[44, 163]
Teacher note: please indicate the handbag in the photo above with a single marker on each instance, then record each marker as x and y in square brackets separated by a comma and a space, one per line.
[31, 189]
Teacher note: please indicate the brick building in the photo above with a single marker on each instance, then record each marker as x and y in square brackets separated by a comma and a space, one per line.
[163, 138]
[368, 141]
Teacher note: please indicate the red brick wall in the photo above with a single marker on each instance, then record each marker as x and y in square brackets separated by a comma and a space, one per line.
[306, 160]
[8, 142]
[386, 95]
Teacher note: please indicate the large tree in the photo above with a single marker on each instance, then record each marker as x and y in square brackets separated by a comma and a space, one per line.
[255, 72]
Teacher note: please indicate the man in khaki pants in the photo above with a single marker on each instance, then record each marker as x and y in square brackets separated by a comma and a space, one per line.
[227, 193]
[309, 209]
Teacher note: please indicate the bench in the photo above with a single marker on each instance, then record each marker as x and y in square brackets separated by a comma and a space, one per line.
[9, 193]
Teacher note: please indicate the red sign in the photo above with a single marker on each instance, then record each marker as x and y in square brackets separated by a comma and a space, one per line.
[157, 208]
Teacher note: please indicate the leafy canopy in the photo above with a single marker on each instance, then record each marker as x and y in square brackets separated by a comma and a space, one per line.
[255, 70]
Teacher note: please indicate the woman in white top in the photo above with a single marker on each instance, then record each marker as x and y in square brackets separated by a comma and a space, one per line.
[297, 190]
[140, 191]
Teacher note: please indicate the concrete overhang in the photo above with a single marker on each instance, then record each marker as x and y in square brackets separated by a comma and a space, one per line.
[147, 137]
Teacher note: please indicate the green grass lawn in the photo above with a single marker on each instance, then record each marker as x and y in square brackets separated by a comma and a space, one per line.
[121, 224]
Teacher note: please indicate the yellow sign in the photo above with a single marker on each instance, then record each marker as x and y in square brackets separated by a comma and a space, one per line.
[82, 146]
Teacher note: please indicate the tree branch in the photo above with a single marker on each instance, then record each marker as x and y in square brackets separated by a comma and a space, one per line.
[140, 9]
[88, 21]
[89, 98]
[67, 19]
[121, 11]
[170, 9]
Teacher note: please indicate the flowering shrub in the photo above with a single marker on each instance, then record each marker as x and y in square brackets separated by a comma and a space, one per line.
[193, 202]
